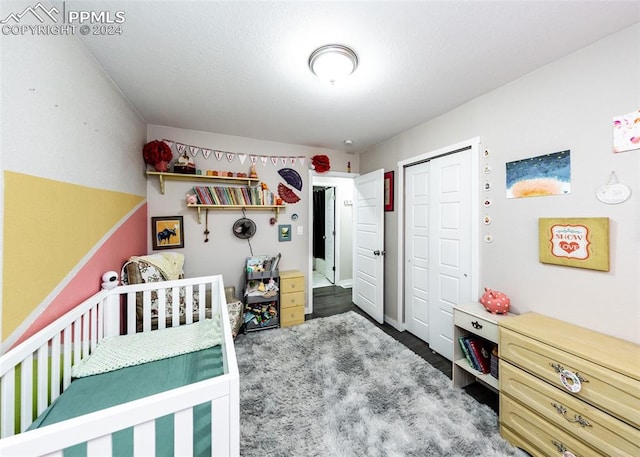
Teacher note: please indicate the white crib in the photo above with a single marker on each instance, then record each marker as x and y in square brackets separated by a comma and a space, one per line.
[44, 361]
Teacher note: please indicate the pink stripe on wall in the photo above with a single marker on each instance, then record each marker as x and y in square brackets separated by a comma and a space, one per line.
[128, 240]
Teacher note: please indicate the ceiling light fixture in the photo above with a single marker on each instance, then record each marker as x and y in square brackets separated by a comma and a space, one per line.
[333, 62]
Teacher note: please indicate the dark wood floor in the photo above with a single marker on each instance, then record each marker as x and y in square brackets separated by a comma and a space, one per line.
[331, 300]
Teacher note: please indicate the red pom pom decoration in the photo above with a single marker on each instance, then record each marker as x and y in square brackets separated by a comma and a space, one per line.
[320, 163]
[156, 151]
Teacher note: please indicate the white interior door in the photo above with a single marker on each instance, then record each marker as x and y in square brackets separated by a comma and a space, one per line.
[450, 245]
[330, 234]
[368, 244]
[437, 246]
[417, 250]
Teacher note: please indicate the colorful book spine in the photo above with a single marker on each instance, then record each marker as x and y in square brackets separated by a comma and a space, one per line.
[465, 351]
[203, 195]
[476, 349]
[474, 363]
[197, 190]
[213, 196]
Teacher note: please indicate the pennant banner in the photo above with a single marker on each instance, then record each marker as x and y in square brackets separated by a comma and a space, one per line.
[206, 152]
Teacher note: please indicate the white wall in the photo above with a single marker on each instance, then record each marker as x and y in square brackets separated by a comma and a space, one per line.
[568, 104]
[224, 253]
[63, 118]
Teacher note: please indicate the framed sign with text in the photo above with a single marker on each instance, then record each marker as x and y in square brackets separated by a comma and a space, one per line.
[575, 242]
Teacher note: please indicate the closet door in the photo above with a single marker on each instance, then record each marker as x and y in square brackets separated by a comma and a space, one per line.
[449, 244]
[437, 246]
[416, 247]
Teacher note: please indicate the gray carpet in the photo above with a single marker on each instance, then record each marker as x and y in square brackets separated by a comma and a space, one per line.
[339, 386]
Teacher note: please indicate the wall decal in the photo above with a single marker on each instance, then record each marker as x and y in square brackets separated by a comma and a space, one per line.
[575, 242]
[539, 176]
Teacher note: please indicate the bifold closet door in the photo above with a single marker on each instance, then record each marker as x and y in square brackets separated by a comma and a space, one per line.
[437, 246]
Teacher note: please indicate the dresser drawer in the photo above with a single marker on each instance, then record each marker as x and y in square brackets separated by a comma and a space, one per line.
[477, 325]
[537, 432]
[600, 430]
[292, 284]
[292, 299]
[291, 316]
[611, 391]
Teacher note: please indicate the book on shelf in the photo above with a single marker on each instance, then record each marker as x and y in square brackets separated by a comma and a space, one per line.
[480, 354]
[237, 196]
[203, 195]
[465, 351]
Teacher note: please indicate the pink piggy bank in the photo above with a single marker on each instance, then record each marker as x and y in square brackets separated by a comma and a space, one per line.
[495, 302]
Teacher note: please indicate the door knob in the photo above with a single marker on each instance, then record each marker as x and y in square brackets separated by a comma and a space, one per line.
[378, 252]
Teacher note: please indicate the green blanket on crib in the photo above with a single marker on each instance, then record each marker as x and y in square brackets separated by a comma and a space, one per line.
[93, 393]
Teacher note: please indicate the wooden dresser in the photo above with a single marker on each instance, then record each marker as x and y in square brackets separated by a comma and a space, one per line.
[566, 390]
[291, 298]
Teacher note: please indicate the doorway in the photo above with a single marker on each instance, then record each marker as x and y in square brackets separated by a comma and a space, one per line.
[438, 241]
[324, 232]
[341, 185]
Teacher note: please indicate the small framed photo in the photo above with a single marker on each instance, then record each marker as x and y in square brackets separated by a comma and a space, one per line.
[284, 232]
[388, 191]
[167, 232]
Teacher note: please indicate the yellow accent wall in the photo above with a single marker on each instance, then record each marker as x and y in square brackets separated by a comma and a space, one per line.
[49, 226]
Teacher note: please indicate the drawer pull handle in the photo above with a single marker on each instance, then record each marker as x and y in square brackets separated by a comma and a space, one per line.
[559, 369]
[477, 325]
[577, 418]
[562, 448]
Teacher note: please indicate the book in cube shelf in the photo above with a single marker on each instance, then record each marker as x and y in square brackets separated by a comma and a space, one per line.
[478, 352]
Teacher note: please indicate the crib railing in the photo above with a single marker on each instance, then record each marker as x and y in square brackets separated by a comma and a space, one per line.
[37, 371]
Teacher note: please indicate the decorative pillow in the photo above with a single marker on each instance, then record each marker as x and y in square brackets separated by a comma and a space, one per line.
[235, 316]
[138, 272]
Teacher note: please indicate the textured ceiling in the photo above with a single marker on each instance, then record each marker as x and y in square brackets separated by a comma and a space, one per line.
[240, 68]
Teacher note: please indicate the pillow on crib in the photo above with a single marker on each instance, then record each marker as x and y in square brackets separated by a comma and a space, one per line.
[235, 316]
[139, 272]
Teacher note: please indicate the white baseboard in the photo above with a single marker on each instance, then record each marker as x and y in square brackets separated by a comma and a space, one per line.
[346, 284]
